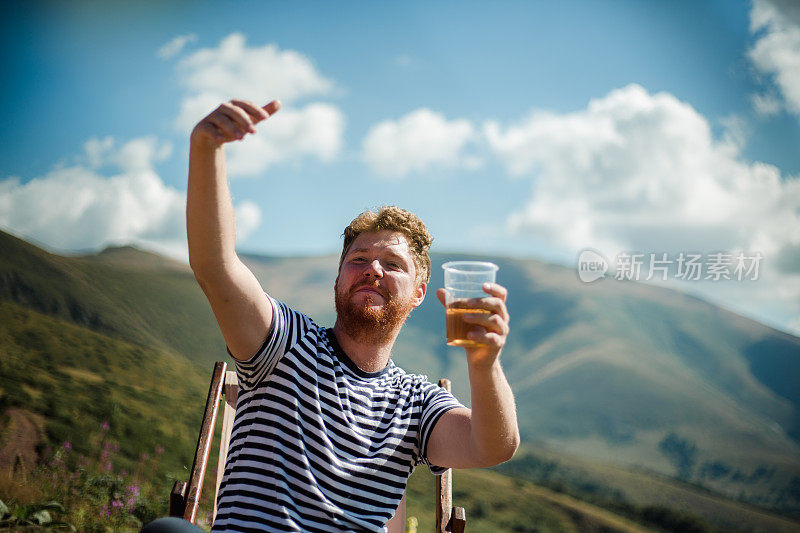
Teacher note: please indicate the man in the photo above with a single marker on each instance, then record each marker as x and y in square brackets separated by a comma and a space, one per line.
[327, 428]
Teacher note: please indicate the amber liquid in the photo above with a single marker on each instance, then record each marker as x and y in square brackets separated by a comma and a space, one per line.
[457, 329]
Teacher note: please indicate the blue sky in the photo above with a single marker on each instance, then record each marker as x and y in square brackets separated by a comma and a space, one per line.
[531, 129]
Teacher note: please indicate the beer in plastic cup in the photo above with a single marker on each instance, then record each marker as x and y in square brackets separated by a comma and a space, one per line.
[464, 280]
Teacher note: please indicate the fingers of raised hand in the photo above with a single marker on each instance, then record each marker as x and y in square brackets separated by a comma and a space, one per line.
[242, 121]
[272, 107]
[256, 114]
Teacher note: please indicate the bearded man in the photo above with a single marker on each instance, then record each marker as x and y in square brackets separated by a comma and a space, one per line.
[328, 429]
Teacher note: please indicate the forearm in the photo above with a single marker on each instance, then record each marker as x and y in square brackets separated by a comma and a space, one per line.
[494, 433]
[210, 224]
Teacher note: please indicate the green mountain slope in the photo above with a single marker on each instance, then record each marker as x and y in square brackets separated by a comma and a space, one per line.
[76, 379]
[618, 373]
[127, 293]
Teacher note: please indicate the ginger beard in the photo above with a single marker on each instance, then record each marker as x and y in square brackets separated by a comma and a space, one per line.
[363, 322]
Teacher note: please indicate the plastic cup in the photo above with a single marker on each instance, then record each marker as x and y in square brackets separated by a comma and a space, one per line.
[463, 280]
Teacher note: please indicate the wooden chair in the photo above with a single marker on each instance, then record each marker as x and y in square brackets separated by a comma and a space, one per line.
[185, 498]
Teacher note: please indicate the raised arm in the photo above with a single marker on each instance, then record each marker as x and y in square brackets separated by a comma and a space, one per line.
[240, 306]
[487, 434]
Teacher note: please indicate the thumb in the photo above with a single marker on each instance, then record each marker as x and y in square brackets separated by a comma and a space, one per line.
[272, 107]
[440, 293]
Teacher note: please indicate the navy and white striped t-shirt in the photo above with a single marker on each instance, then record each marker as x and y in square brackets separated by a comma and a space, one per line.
[319, 445]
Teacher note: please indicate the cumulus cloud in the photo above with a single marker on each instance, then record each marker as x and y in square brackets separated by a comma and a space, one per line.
[315, 130]
[175, 46]
[418, 141]
[260, 74]
[248, 217]
[776, 52]
[766, 104]
[80, 207]
[136, 155]
[641, 171]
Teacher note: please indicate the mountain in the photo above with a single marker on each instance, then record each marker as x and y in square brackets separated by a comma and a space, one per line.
[617, 373]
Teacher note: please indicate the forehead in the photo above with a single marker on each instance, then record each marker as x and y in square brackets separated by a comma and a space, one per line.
[388, 240]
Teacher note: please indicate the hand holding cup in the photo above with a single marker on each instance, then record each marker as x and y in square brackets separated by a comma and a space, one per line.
[477, 317]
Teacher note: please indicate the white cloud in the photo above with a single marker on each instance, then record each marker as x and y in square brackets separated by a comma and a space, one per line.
[78, 207]
[402, 60]
[639, 171]
[211, 76]
[776, 51]
[766, 105]
[314, 130]
[175, 46]
[139, 154]
[417, 142]
[248, 217]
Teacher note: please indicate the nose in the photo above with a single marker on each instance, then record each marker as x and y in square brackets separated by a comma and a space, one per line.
[374, 269]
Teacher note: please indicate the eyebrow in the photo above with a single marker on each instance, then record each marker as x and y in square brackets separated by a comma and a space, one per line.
[389, 252]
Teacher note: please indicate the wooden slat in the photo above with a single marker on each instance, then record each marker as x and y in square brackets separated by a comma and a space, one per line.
[177, 499]
[444, 489]
[459, 519]
[231, 393]
[204, 442]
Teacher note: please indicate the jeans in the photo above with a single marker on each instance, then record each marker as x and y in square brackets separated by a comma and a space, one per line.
[170, 525]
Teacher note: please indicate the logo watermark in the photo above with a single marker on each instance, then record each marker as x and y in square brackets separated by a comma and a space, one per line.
[684, 266]
[591, 266]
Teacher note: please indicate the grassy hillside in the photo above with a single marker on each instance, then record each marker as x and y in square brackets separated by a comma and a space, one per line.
[640, 376]
[75, 379]
[125, 293]
[613, 373]
[497, 503]
[639, 494]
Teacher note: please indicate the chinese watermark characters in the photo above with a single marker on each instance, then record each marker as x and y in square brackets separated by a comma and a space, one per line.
[685, 266]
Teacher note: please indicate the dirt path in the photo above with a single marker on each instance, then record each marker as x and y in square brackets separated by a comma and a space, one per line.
[19, 440]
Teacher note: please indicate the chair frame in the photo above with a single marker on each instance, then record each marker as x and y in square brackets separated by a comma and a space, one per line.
[185, 498]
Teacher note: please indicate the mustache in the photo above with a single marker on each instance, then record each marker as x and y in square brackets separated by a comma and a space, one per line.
[371, 285]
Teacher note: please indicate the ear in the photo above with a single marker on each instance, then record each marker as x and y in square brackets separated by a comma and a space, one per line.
[419, 294]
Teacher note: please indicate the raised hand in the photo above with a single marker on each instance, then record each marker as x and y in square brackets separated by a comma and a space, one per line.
[231, 121]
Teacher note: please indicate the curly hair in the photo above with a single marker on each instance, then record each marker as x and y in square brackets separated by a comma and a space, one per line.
[393, 218]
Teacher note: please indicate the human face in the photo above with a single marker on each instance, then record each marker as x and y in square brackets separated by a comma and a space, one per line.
[376, 288]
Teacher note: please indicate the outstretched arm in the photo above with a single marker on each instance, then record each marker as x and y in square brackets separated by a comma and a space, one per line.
[240, 306]
[487, 434]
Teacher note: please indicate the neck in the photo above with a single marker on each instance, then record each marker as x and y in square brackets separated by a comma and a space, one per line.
[370, 355]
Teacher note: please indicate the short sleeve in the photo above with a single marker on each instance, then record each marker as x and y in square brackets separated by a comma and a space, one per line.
[288, 326]
[435, 402]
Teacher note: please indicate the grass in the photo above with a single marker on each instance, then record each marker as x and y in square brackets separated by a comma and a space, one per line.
[127, 340]
[643, 496]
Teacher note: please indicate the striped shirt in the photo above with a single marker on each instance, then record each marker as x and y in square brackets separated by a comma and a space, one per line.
[319, 445]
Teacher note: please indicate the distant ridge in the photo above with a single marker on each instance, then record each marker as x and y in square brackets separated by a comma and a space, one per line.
[616, 372]
[136, 258]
